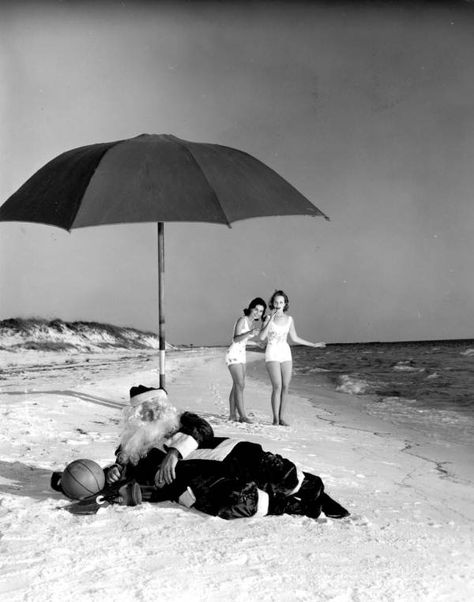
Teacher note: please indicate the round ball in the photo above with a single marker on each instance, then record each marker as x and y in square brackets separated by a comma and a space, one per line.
[81, 479]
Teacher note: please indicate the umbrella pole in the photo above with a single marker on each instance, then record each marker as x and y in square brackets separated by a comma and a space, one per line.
[161, 316]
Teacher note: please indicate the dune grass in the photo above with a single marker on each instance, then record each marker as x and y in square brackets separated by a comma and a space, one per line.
[45, 335]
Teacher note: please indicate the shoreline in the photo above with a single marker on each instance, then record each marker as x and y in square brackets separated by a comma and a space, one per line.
[353, 412]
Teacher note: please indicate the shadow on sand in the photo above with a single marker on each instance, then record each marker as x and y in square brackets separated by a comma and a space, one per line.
[77, 394]
[25, 480]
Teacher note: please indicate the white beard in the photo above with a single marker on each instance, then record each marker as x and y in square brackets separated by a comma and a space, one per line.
[147, 425]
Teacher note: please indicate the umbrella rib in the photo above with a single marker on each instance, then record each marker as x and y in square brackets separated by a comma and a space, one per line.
[189, 151]
[191, 154]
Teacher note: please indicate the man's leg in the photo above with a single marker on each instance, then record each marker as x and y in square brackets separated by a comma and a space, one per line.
[307, 500]
[310, 500]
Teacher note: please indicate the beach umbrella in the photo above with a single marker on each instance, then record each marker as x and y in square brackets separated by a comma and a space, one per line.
[153, 178]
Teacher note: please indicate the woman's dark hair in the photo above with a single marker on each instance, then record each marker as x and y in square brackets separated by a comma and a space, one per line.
[279, 294]
[253, 304]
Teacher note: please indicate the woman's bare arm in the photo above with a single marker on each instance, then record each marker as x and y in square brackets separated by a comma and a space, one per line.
[298, 340]
[240, 335]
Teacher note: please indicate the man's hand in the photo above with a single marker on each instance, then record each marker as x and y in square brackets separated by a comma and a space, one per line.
[166, 474]
[114, 474]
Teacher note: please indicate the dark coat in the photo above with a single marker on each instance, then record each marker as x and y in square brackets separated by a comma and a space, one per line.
[227, 477]
[230, 478]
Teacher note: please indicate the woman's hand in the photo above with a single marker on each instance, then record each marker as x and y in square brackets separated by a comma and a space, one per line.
[114, 474]
[166, 474]
[269, 317]
[322, 345]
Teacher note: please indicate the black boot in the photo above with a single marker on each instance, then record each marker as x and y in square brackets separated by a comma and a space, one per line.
[331, 508]
[293, 504]
[310, 494]
[305, 502]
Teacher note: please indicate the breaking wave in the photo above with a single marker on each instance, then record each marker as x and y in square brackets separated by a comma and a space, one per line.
[352, 385]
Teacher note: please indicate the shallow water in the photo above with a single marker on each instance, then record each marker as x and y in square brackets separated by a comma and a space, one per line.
[427, 385]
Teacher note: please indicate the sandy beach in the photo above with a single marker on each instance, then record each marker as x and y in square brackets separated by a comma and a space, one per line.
[409, 536]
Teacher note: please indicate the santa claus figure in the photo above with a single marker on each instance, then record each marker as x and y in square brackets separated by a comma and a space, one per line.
[169, 455]
[175, 456]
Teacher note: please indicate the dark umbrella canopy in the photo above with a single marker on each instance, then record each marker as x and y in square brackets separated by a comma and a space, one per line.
[153, 178]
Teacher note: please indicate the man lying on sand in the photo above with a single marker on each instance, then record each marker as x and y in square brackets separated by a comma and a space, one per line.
[175, 456]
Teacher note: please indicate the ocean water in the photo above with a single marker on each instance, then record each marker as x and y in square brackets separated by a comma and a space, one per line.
[426, 385]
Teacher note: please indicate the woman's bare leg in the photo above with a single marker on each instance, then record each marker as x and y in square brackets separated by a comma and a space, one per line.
[286, 373]
[238, 376]
[273, 369]
[232, 408]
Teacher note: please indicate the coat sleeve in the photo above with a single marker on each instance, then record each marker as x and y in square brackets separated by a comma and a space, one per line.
[144, 471]
[194, 432]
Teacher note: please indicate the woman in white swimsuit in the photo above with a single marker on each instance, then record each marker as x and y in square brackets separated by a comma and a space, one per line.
[244, 329]
[276, 328]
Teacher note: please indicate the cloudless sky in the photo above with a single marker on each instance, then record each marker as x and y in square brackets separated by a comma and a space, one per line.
[366, 107]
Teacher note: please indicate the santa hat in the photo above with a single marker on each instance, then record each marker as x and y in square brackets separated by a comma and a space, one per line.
[141, 393]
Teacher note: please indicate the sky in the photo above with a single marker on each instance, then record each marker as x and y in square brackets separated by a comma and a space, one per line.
[367, 108]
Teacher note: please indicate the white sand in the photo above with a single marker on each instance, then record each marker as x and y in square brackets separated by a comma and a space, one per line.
[410, 536]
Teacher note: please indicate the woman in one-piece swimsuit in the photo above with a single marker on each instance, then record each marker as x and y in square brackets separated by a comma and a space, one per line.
[278, 360]
[244, 329]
